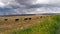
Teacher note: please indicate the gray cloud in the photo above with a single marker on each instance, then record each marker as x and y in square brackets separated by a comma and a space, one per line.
[55, 2]
[29, 2]
[26, 2]
[27, 7]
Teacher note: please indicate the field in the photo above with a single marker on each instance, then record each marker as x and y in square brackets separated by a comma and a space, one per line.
[46, 25]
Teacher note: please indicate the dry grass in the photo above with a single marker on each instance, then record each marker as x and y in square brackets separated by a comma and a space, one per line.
[11, 25]
[48, 25]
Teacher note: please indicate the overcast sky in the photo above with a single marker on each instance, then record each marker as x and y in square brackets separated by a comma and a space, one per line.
[9, 7]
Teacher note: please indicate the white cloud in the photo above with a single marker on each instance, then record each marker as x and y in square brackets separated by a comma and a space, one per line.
[42, 1]
[2, 4]
[5, 2]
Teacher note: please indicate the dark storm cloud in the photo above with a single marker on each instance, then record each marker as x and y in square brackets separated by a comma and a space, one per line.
[26, 2]
[41, 5]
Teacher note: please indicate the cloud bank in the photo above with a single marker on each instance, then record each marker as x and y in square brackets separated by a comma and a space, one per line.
[9, 7]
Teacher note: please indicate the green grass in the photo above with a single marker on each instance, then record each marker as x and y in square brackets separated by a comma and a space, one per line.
[45, 27]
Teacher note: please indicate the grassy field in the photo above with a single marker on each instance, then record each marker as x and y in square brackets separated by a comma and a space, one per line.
[46, 26]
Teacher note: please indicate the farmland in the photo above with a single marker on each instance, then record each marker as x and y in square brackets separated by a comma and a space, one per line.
[35, 25]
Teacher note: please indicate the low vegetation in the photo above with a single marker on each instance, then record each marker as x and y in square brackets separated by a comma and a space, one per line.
[46, 26]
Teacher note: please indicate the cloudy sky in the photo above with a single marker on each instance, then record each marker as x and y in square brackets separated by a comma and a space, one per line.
[9, 7]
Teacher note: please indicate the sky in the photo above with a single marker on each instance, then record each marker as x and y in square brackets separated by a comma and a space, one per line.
[14, 7]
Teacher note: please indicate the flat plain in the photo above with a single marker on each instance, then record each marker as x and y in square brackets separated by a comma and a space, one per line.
[36, 24]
